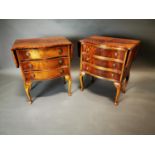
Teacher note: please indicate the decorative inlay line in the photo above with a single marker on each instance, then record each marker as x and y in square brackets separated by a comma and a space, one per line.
[108, 47]
[107, 58]
[103, 68]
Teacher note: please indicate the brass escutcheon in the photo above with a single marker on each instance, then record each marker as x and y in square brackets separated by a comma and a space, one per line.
[60, 61]
[30, 66]
[28, 54]
[60, 51]
[61, 71]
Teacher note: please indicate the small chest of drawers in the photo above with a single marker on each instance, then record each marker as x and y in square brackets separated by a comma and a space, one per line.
[108, 58]
[43, 59]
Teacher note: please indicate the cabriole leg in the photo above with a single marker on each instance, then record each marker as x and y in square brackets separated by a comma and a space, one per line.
[123, 88]
[118, 89]
[27, 86]
[69, 80]
[81, 81]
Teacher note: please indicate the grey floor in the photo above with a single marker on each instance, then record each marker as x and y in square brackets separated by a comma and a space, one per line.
[88, 112]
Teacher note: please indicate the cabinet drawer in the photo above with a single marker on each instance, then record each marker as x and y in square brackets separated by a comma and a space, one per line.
[101, 73]
[103, 63]
[88, 48]
[45, 75]
[111, 53]
[44, 53]
[105, 52]
[44, 64]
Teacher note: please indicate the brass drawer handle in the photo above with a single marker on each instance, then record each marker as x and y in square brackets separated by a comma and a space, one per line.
[116, 54]
[61, 71]
[30, 66]
[28, 54]
[87, 59]
[112, 75]
[87, 68]
[114, 65]
[60, 61]
[60, 51]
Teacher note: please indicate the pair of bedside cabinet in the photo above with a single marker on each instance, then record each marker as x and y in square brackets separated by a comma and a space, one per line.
[100, 57]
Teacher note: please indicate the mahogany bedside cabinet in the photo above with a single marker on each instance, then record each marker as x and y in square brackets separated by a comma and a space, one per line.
[43, 59]
[107, 58]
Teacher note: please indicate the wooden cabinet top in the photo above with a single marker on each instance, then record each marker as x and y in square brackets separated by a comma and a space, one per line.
[40, 42]
[111, 42]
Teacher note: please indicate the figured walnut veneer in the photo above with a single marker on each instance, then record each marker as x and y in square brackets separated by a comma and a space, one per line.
[43, 59]
[108, 58]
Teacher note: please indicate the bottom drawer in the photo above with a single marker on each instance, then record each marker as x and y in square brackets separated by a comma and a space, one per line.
[45, 75]
[100, 73]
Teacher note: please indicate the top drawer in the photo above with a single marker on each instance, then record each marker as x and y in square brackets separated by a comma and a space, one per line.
[44, 53]
[116, 54]
[104, 52]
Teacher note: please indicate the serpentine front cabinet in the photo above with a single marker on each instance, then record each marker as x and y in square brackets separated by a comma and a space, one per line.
[43, 59]
[107, 58]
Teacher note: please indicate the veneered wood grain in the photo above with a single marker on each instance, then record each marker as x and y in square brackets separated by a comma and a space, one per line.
[48, 64]
[103, 63]
[40, 43]
[111, 42]
[101, 73]
[46, 75]
[43, 53]
[110, 53]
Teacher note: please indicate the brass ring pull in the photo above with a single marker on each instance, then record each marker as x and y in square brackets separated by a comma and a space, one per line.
[116, 53]
[28, 54]
[30, 66]
[60, 51]
[87, 59]
[114, 65]
[61, 71]
[60, 61]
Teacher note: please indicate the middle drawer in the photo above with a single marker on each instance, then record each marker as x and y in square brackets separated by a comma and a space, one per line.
[102, 61]
[45, 64]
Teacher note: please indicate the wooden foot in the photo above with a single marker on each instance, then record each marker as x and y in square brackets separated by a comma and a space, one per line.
[118, 89]
[69, 87]
[69, 80]
[81, 81]
[27, 86]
